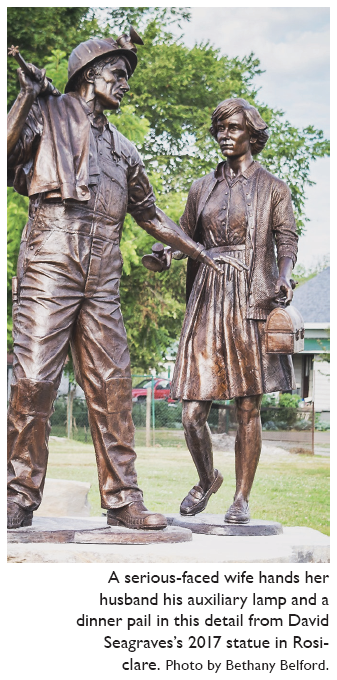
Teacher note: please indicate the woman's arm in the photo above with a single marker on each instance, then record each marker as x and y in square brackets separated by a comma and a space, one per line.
[284, 285]
[286, 239]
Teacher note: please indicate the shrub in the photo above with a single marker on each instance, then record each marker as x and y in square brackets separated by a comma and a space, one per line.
[59, 416]
[289, 400]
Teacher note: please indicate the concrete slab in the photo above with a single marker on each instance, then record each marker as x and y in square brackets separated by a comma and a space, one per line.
[296, 544]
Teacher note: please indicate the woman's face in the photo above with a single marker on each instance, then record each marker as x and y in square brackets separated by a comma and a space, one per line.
[233, 136]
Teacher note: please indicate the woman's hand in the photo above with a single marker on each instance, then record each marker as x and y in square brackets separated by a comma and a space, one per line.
[283, 289]
[285, 285]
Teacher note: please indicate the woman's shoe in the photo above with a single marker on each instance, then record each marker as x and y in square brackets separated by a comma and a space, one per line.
[197, 499]
[238, 513]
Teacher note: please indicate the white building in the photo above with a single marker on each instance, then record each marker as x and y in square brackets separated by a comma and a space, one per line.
[312, 374]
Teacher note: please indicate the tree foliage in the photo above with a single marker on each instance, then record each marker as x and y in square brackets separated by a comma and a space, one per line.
[17, 208]
[167, 115]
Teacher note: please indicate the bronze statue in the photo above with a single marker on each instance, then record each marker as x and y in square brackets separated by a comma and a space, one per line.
[239, 210]
[82, 176]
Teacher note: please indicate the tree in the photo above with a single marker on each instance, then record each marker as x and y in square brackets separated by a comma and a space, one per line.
[17, 208]
[40, 30]
[167, 115]
[325, 355]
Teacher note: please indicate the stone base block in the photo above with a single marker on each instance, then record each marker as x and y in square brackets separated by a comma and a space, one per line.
[294, 545]
[64, 498]
[94, 530]
[216, 526]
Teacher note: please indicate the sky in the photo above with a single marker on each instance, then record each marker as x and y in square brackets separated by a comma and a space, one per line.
[292, 44]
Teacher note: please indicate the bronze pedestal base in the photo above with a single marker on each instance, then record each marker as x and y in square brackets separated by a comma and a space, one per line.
[93, 530]
[216, 525]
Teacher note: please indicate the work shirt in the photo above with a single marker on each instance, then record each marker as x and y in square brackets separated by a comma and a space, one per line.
[117, 181]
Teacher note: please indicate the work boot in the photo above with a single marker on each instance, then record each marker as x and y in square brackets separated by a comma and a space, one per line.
[18, 516]
[136, 516]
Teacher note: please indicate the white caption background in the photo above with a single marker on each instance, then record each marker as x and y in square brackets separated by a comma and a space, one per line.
[194, 640]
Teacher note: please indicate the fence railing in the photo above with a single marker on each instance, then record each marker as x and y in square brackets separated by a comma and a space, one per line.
[159, 421]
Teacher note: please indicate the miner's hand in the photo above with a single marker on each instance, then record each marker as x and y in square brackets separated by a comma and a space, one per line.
[30, 84]
[240, 266]
[211, 260]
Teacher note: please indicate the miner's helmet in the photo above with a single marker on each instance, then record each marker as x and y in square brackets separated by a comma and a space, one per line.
[87, 52]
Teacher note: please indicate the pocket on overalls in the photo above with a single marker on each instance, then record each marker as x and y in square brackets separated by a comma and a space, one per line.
[35, 242]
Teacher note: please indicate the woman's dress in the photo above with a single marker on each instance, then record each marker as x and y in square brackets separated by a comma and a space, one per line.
[222, 354]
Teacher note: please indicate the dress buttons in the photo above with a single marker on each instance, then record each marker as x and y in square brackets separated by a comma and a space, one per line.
[31, 247]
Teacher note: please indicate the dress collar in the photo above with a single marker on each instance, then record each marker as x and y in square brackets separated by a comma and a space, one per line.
[219, 172]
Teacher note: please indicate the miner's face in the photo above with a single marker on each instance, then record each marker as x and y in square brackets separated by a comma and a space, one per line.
[111, 84]
[233, 136]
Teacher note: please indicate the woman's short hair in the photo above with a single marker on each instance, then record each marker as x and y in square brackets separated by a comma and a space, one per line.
[255, 124]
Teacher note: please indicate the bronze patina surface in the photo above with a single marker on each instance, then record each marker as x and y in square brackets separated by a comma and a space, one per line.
[214, 525]
[82, 176]
[240, 211]
[92, 530]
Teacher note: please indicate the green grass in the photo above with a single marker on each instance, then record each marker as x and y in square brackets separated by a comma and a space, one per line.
[293, 490]
[162, 436]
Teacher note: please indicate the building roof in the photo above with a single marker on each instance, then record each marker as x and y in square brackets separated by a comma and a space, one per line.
[312, 298]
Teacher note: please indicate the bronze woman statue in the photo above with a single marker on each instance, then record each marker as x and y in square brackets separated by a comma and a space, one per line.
[242, 211]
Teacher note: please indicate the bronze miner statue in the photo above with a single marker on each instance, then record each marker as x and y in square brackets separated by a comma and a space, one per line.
[82, 176]
[242, 211]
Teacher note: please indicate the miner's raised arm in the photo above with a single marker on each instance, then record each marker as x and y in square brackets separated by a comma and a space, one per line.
[30, 88]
